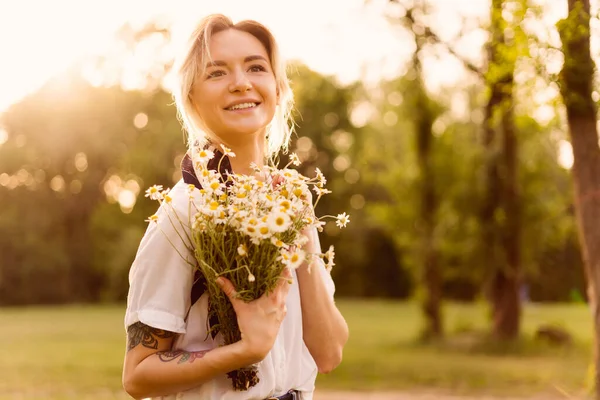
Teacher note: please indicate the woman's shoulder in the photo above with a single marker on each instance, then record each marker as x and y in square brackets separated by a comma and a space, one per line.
[179, 195]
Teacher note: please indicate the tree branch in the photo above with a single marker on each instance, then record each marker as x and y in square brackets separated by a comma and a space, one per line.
[429, 34]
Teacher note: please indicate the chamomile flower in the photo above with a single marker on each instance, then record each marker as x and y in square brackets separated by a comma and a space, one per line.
[299, 191]
[221, 217]
[251, 278]
[278, 221]
[227, 151]
[242, 250]
[276, 242]
[320, 191]
[154, 192]
[152, 218]
[254, 167]
[293, 259]
[212, 209]
[214, 187]
[295, 159]
[205, 155]
[166, 197]
[329, 255]
[342, 220]
[320, 225]
[263, 231]
[284, 205]
[320, 177]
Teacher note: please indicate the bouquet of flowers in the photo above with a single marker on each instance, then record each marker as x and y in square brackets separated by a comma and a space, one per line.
[247, 230]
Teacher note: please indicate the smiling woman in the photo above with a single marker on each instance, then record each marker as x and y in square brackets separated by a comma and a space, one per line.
[231, 90]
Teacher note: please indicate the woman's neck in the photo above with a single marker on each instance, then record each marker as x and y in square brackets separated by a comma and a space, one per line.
[245, 154]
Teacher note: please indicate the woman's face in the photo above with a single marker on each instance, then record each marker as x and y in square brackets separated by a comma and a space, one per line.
[237, 94]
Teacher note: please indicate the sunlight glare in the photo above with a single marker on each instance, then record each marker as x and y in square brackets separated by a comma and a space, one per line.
[565, 154]
[140, 120]
[3, 136]
[126, 200]
[81, 162]
[57, 183]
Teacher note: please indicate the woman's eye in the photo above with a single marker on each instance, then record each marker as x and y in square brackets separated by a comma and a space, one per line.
[257, 68]
[215, 74]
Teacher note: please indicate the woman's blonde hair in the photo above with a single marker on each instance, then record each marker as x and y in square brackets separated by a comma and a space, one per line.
[191, 63]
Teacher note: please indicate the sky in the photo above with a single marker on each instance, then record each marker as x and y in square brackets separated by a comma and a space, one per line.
[40, 38]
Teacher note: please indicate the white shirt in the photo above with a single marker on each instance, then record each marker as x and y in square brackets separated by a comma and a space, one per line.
[159, 296]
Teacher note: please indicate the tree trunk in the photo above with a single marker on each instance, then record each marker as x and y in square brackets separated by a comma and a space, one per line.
[501, 236]
[432, 281]
[576, 82]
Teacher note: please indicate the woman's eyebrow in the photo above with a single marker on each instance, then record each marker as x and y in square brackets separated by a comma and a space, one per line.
[254, 58]
[219, 63]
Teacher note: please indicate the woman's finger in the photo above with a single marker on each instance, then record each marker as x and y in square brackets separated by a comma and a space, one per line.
[227, 287]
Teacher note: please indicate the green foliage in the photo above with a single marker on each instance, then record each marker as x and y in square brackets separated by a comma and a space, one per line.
[328, 140]
[63, 241]
[76, 243]
[551, 258]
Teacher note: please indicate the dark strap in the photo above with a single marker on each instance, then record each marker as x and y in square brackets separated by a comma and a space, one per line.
[189, 177]
[291, 395]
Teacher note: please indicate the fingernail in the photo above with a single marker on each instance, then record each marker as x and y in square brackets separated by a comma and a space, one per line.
[219, 281]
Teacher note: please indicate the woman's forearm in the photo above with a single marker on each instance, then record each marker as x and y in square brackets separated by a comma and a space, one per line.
[169, 372]
[325, 331]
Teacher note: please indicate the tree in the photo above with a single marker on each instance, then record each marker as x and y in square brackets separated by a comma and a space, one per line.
[500, 212]
[576, 82]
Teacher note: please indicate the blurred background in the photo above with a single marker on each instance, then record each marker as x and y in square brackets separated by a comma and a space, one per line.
[439, 124]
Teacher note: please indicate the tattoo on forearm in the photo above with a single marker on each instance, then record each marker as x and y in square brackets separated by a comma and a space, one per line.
[186, 356]
[146, 335]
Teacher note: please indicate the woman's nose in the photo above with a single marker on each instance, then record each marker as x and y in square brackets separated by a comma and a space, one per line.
[240, 82]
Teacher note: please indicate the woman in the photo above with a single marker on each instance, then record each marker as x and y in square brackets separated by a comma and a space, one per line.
[231, 90]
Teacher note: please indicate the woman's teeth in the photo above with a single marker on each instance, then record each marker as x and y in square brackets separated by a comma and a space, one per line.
[242, 106]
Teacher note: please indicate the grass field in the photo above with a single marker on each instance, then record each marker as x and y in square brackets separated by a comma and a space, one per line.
[76, 352]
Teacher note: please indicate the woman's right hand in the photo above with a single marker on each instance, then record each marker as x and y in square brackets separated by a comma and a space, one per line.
[259, 320]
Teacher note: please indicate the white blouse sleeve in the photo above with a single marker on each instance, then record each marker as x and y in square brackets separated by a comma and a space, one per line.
[320, 265]
[160, 280]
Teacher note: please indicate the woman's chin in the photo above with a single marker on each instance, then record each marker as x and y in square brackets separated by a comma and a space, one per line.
[246, 131]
